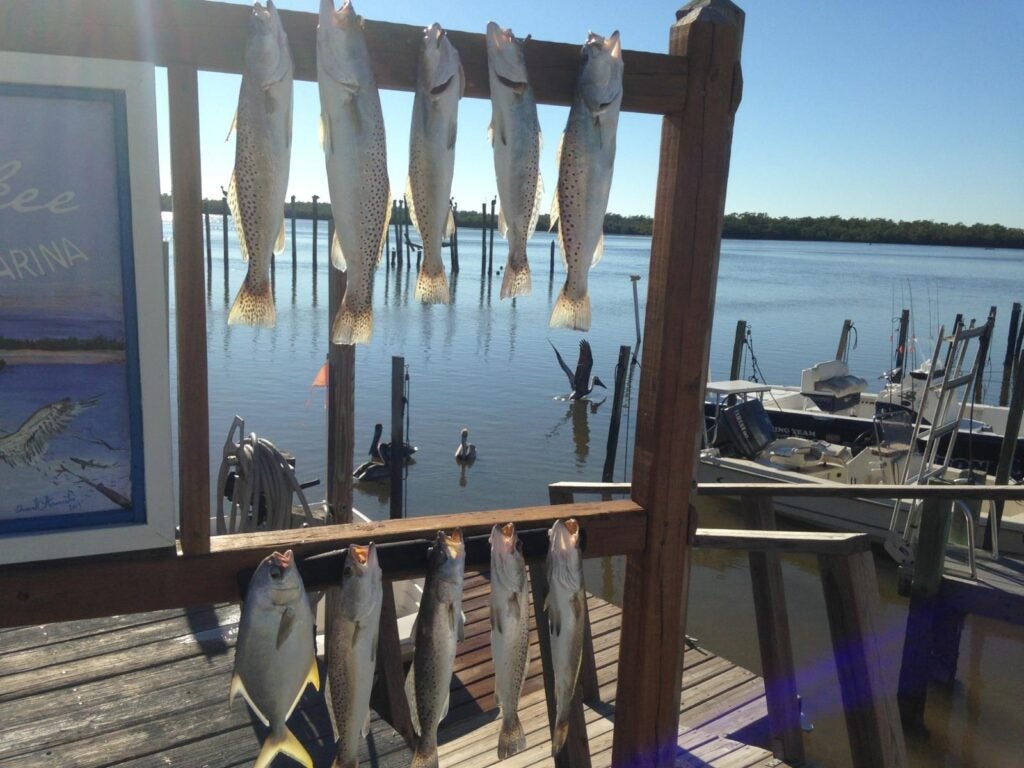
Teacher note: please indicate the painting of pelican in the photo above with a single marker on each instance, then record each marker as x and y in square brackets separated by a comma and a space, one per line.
[29, 442]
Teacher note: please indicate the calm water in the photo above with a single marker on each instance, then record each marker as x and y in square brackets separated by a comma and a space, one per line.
[487, 364]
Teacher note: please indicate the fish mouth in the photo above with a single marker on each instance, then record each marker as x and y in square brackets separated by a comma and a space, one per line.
[452, 543]
[503, 538]
[516, 85]
[434, 34]
[564, 534]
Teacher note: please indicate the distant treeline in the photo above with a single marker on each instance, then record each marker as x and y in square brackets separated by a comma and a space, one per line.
[70, 344]
[749, 226]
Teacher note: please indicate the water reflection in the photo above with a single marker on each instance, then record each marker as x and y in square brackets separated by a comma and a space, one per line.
[578, 413]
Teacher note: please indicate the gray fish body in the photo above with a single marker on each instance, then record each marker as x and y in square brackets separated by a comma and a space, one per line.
[353, 618]
[516, 139]
[275, 656]
[510, 634]
[565, 614]
[352, 129]
[585, 161]
[259, 180]
[437, 626]
[440, 83]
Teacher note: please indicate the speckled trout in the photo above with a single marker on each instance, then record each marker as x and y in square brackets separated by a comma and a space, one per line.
[510, 630]
[516, 139]
[353, 618]
[274, 658]
[439, 86]
[352, 134]
[585, 159]
[565, 613]
[262, 153]
[437, 627]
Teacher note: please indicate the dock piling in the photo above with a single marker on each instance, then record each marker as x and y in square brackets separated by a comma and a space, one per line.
[493, 226]
[1009, 357]
[483, 238]
[295, 245]
[209, 245]
[613, 428]
[397, 434]
[315, 199]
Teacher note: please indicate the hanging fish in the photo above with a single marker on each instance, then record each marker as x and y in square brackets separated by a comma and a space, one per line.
[586, 156]
[516, 139]
[353, 619]
[352, 134]
[565, 613]
[275, 656]
[262, 154]
[510, 633]
[439, 86]
[437, 628]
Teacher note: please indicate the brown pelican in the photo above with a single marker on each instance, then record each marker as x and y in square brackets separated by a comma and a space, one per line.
[381, 452]
[466, 452]
[27, 444]
[580, 381]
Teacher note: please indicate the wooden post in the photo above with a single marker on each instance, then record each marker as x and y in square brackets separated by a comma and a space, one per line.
[613, 428]
[1008, 358]
[224, 233]
[397, 434]
[315, 198]
[454, 242]
[209, 245]
[193, 406]
[634, 279]
[983, 345]
[387, 239]
[483, 238]
[844, 339]
[1007, 449]
[295, 244]
[341, 390]
[330, 237]
[576, 752]
[551, 262]
[689, 208]
[388, 696]
[737, 355]
[398, 232]
[852, 603]
[490, 247]
[901, 345]
[773, 637]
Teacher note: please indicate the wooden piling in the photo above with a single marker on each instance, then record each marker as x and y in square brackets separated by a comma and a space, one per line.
[551, 261]
[901, 346]
[397, 216]
[341, 395]
[397, 434]
[690, 201]
[613, 428]
[330, 237]
[387, 238]
[735, 367]
[1008, 358]
[453, 243]
[983, 346]
[315, 199]
[494, 226]
[844, 338]
[224, 229]
[295, 244]
[483, 238]
[209, 245]
[1007, 449]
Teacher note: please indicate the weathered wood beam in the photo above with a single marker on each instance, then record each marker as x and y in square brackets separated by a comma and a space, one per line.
[65, 590]
[689, 208]
[792, 542]
[211, 36]
[809, 490]
[341, 393]
[190, 300]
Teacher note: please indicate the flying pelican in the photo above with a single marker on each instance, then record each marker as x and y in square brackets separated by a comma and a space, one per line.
[466, 452]
[27, 444]
[580, 381]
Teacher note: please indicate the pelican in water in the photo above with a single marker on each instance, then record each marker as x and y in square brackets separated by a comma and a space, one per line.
[27, 444]
[580, 381]
[381, 452]
[466, 452]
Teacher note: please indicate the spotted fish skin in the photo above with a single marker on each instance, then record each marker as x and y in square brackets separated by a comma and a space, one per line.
[585, 160]
[259, 181]
[565, 614]
[440, 84]
[437, 627]
[516, 139]
[510, 633]
[355, 148]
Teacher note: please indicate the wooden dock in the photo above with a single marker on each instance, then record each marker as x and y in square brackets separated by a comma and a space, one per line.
[151, 690]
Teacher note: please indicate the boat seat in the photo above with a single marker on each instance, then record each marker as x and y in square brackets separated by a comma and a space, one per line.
[800, 453]
[894, 429]
[831, 386]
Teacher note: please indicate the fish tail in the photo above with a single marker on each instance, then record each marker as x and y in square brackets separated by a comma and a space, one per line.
[253, 306]
[571, 313]
[283, 742]
[345, 761]
[425, 756]
[559, 736]
[352, 326]
[432, 289]
[516, 281]
[511, 740]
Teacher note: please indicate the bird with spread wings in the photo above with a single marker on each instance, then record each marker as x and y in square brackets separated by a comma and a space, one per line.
[27, 444]
[580, 381]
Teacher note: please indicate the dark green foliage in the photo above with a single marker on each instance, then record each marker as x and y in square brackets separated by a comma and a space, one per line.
[95, 343]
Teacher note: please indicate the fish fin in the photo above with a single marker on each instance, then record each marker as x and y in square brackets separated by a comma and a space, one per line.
[284, 629]
[538, 196]
[366, 724]
[554, 621]
[238, 687]
[559, 736]
[410, 204]
[431, 289]
[451, 617]
[384, 230]
[357, 117]
[444, 709]
[425, 758]
[314, 674]
[453, 129]
[236, 217]
[269, 102]
[337, 255]
[516, 281]
[460, 624]
[577, 606]
[598, 251]
[233, 127]
[498, 129]
[253, 306]
[511, 739]
[502, 224]
[410, 695]
[279, 242]
[326, 141]
[490, 132]
[571, 313]
[496, 622]
[283, 743]
[513, 604]
[449, 225]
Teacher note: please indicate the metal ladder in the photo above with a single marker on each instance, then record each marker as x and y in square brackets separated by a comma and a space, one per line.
[953, 383]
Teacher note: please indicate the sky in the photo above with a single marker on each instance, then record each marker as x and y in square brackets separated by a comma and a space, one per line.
[908, 110]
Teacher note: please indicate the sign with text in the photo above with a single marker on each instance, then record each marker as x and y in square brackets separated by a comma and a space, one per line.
[72, 453]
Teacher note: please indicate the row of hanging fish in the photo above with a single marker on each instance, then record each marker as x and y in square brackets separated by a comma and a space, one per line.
[275, 658]
[353, 138]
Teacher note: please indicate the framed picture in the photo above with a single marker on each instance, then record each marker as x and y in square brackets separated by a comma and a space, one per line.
[85, 460]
